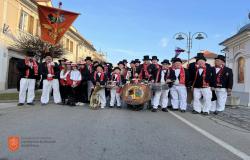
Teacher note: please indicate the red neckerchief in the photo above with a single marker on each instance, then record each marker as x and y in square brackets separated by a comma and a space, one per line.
[145, 70]
[118, 78]
[90, 68]
[204, 83]
[218, 78]
[102, 75]
[168, 73]
[50, 71]
[158, 72]
[182, 76]
[35, 67]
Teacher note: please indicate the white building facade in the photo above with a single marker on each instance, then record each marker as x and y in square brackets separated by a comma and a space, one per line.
[237, 52]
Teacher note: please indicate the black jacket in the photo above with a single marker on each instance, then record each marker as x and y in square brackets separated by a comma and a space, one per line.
[98, 79]
[22, 68]
[226, 79]
[43, 70]
[187, 84]
[150, 69]
[198, 82]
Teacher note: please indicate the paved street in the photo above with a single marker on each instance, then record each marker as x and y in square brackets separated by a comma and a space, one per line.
[111, 134]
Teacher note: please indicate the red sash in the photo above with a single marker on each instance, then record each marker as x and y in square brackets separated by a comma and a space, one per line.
[50, 71]
[35, 66]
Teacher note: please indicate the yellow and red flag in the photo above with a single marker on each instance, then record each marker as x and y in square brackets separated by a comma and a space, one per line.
[54, 23]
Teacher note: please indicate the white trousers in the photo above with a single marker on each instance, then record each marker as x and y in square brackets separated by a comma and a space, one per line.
[160, 97]
[90, 87]
[204, 104]
[27, 84]
[219, 104]
[115, 97]
[179, 97]
[102, 97]
[47, 87]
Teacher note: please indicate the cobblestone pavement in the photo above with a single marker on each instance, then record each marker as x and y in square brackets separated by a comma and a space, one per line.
[238, 116]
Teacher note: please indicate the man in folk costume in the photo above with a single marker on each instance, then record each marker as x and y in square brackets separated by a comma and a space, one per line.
[165, 76]
[145, 69]
[117, 80]
[28, 72]
[83, 88]
[223, 84]
[125, 62]
[90, 70]
[131, 71]
[202, 79]
[124, 71]
[50, 74]
[100, 79]
[137, 65]
[65, 82]
[75, 81]
[179, 89]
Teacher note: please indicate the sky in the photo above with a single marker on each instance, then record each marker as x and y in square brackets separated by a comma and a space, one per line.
[129, 29]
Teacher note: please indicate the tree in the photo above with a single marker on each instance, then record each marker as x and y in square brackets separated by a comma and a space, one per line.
[39, 47]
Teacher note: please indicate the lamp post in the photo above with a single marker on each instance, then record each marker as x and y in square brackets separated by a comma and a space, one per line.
[181, 36]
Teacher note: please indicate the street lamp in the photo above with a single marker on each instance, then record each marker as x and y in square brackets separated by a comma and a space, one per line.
[181, 36]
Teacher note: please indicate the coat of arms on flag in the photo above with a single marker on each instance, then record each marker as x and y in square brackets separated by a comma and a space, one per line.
[54, 23]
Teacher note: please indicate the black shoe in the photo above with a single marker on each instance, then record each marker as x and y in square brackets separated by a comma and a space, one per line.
[183, 111]
[175, 109]
[164, 110]
[195, 112]
[154, 110]
[205, 113]
[119, 107]
[31, 104]
[20, 104]
[111, 106]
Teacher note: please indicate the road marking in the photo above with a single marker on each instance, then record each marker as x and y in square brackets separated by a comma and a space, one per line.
[220, 142]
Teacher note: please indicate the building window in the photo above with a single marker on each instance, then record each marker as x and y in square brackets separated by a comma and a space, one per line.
[71, 46]
[67, 44]
[31, 24]
[23, 21]
[38, 29]
[241, 70]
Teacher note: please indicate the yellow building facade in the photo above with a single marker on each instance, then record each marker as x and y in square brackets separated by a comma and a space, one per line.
[19, 17]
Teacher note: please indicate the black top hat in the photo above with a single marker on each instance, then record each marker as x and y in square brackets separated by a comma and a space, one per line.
[88, 58]
[165, 61]
[200, 56]
[221, 57]
[117, 68]
[155, 58]
[30, 53]
[125, 61]
[132, 62]
[176, 60]
[137, 61]
[121, 62]
[146, 58]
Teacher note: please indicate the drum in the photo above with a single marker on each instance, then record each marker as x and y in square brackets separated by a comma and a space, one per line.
[136, 94]
[159, 86]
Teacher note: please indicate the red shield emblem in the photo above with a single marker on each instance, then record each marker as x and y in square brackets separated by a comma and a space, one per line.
[13, 143]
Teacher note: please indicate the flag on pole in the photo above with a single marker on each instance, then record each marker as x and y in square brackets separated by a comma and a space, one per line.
[54, 23]
[178, 51]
